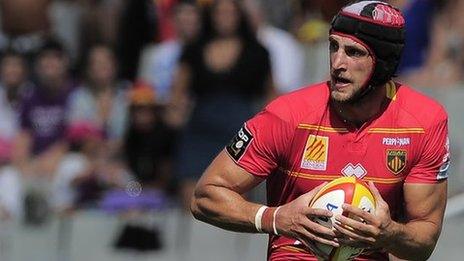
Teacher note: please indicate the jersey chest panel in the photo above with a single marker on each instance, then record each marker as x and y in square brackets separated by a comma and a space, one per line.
[324, 154]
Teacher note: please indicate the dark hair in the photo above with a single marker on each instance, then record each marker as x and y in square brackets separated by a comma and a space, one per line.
[10, 52]
[181, 3]
[52, 45]
[244, 29]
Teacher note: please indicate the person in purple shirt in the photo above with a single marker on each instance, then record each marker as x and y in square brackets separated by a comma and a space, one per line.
[41, 144]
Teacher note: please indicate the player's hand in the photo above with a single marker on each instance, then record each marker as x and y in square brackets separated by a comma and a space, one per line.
[294, 220]
[364, 229]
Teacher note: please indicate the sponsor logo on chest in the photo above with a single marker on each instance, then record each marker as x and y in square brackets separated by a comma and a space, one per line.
[396, 141]
[315, 153]
[354, 170]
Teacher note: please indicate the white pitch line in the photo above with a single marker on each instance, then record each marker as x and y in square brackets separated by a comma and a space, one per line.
[455, 206]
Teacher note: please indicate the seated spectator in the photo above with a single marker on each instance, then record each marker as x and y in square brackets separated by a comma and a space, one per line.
[149, 142]
[41, 143]
[96, 119]
[148, 149]
[100, 101]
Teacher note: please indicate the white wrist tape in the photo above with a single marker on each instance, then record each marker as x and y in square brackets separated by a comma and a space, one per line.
[274, 221]
[258, 217]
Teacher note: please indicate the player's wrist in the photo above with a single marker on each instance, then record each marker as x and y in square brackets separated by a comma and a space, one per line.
[391, 234]
[259, 218]
[265, 220]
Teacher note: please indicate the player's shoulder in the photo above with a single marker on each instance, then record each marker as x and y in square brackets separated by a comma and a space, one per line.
[295, 105]
[423, 108]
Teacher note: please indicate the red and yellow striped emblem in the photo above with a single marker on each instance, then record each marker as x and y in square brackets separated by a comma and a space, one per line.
[316, 147]
[396, 160]
[315, 153]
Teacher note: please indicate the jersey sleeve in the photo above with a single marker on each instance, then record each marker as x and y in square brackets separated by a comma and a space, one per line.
[434, 161]
[261, 142]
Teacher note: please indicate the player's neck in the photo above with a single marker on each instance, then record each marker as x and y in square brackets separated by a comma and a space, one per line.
[363, 110]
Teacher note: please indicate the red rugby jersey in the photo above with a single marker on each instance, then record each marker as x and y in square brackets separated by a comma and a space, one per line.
[298, 141]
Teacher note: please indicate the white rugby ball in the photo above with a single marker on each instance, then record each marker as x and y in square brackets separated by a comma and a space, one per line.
[347, 190]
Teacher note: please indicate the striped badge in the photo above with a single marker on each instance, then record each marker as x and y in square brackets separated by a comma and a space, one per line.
[396, 160]
[315, 153]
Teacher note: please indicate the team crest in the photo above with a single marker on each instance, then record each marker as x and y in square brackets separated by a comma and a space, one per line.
[315, 153]
[396, 160]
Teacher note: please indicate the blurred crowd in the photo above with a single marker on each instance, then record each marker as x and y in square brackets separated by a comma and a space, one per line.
[119, 104]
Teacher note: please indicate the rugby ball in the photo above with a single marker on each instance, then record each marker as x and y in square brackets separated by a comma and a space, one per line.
[349, 190]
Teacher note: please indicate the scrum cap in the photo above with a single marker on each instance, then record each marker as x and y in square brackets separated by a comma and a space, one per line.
[378, 26]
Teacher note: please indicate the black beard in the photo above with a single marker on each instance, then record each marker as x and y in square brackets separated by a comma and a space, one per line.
[357, 97]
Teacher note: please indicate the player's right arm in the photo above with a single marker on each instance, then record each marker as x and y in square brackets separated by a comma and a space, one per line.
[253, 154]
[219, 200]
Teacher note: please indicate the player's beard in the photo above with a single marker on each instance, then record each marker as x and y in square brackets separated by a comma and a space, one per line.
[352, 98]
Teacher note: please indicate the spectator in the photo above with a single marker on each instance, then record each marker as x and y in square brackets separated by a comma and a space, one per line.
[41, 143]
[101, 100]
[96, 122]
[149, 142]
[226, 69]
[158, 61]
[43, 110]
[148, 149]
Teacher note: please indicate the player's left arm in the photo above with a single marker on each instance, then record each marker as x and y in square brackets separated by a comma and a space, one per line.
[413, 240]
[425, 206]
[425, 194]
